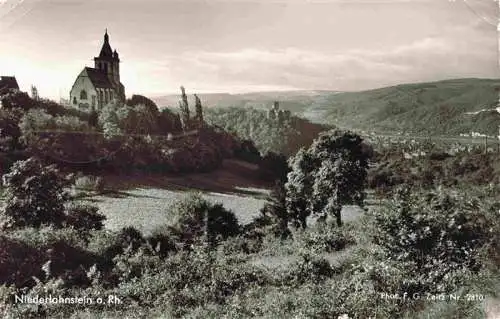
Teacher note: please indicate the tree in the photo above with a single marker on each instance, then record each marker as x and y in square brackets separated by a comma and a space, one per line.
[194, 218]
[35, 195]
[328, 175]
[148, 103]
[274, 213]
[108, 122]
[169, 122]
[299, 184]
[199, 109]
[9, 131]
[184, 109]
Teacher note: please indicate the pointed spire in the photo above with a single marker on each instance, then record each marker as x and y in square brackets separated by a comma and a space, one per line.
[106, 48]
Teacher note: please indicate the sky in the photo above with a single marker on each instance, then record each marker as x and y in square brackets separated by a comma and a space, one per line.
[240, 46]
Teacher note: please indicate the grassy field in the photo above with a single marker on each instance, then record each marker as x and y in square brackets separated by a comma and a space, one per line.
[143, 201]
[147, 208]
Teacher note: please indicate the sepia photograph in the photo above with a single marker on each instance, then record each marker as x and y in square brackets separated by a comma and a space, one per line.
[334, 159]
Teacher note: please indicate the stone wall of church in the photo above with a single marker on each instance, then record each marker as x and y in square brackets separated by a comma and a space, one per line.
[83, 94]
[105, 97]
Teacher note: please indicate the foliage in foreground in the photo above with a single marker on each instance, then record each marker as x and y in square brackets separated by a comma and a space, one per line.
[422, 243]
[329, 174]
[194, 219]
[434, 235]
[36, 196]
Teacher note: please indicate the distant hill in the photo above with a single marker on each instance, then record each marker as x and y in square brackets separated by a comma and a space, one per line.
[294, 101]
[449, 107]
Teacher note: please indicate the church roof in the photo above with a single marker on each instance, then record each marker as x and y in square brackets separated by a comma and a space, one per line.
[99, 78]
[106, 51]
[8, 82]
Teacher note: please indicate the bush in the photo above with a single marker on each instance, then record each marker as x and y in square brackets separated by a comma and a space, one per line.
[46, 236]
[10, 132]
[35, 195]
[435, 234]
[245, 244]
[274, 218]
[309, 269]
[110, 244]
[84, 217]
[21, 261]
[18, 262]
[325, 238]
[193, 217]
[163, 242]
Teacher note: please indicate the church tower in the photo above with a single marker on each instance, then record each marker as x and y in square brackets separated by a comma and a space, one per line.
[108, 61]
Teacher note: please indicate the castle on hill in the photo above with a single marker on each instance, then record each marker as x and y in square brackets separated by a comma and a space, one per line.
[99, 86]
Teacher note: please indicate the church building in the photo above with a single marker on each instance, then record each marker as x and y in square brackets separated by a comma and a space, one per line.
[99, 86]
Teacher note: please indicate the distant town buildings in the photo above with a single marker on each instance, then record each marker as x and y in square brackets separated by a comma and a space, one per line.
[97, 87]
[8, 83]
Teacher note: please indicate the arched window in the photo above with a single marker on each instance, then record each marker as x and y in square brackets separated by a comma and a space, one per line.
[111, 95]
[83, 95]
[101, 98]
[106, 97]
[74, 100]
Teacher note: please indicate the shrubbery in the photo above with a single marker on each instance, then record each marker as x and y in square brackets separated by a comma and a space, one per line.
[121, 138]
[196, 220]
[433, 235]
[36, 196]
[84, 217]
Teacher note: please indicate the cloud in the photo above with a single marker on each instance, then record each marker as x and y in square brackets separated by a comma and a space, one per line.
[427, 58]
